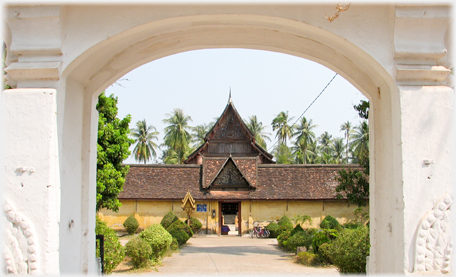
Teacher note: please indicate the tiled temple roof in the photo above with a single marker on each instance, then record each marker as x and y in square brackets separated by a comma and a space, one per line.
[273, 182]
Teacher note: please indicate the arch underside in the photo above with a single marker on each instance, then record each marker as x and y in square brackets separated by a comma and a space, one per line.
[108, 61]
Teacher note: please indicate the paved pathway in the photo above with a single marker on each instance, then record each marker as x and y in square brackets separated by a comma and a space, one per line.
[230, 255]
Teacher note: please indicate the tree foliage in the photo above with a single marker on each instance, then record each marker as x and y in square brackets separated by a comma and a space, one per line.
[354, 184]
[144, 136]
[112, 149]
[257, 129]
[281, 123]
[177, 135]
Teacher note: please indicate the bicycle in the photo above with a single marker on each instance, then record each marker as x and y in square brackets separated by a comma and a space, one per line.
[260, 232]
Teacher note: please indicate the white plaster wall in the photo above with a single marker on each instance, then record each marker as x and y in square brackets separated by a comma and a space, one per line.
[32, 189]
[425, 137]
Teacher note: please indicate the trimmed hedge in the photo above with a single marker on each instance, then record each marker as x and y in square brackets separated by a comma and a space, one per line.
[195, 224]
[329, 223]
[159, 240]
[139, 251]
[273, 229]
[181, 231]
[300, 238]
[323, 236]
[283, 237]
[285, 222]
[131, 224]
[168, 219]
[349, 250]
[296, 229]
[114, 252]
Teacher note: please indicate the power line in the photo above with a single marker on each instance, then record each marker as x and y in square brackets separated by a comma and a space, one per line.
[308, 107]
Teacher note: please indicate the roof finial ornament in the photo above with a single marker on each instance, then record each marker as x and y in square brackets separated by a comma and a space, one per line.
[229, 100]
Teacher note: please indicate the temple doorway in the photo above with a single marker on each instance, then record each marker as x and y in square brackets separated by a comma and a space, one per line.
[229, 217]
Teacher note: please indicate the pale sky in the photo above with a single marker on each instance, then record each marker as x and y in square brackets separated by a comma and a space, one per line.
[262, 83]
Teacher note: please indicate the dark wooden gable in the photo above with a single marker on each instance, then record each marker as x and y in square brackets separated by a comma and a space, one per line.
[229, 137]
[230, 178]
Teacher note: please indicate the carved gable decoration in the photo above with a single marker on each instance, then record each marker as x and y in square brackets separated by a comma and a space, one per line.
[230, 127]
[230, 136]
[230, 178]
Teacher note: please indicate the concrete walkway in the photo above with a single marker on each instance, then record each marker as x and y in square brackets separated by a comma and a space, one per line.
[231, 255]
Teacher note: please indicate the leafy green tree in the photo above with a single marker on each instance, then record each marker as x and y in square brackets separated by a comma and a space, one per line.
[281, 123]
[177, 135]
[354, 184]
[347, 128]
[144, 136]
[112, 149]
[363, 109]
[304, 137]
[257, 130]
[283, 154]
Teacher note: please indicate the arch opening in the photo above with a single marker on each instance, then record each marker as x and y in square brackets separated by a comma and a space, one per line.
[101, 65]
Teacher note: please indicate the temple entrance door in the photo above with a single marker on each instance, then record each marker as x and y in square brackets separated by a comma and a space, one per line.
[230, 218]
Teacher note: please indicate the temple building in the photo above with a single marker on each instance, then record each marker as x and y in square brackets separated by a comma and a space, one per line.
[234, 181]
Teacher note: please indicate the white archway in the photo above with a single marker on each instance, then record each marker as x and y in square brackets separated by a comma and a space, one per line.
[93, 57]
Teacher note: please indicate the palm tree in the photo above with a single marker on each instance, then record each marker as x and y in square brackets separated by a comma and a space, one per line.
[337, 150]
[144, 136]
[283, 127]
[347, 128]
[312, 153]
[257, 130]
[171, 156]
[199, 133]
[360, 141]
[283, 154]
[325, 142]
[177, 135]
[305, 136]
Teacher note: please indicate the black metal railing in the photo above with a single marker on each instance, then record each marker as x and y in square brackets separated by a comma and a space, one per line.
[101, 245]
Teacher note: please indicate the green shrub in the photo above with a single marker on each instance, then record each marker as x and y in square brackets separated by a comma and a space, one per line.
[329, 223]
[311, 231]
[305, 258]
[273, 229]
[139, 251]
[352, 225]
[174, 245]
[159, 240]
[349, 250]
[285, 222]
[168, 219]
[323, 254]
[181, 231]
[114, 252]
[283, 237]
[322, 236]
[131, 224]
[300, 238]
[195, 224]
[296, 229]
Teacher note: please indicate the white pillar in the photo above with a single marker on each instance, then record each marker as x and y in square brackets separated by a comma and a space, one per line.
[78, 124]
[31, 199]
